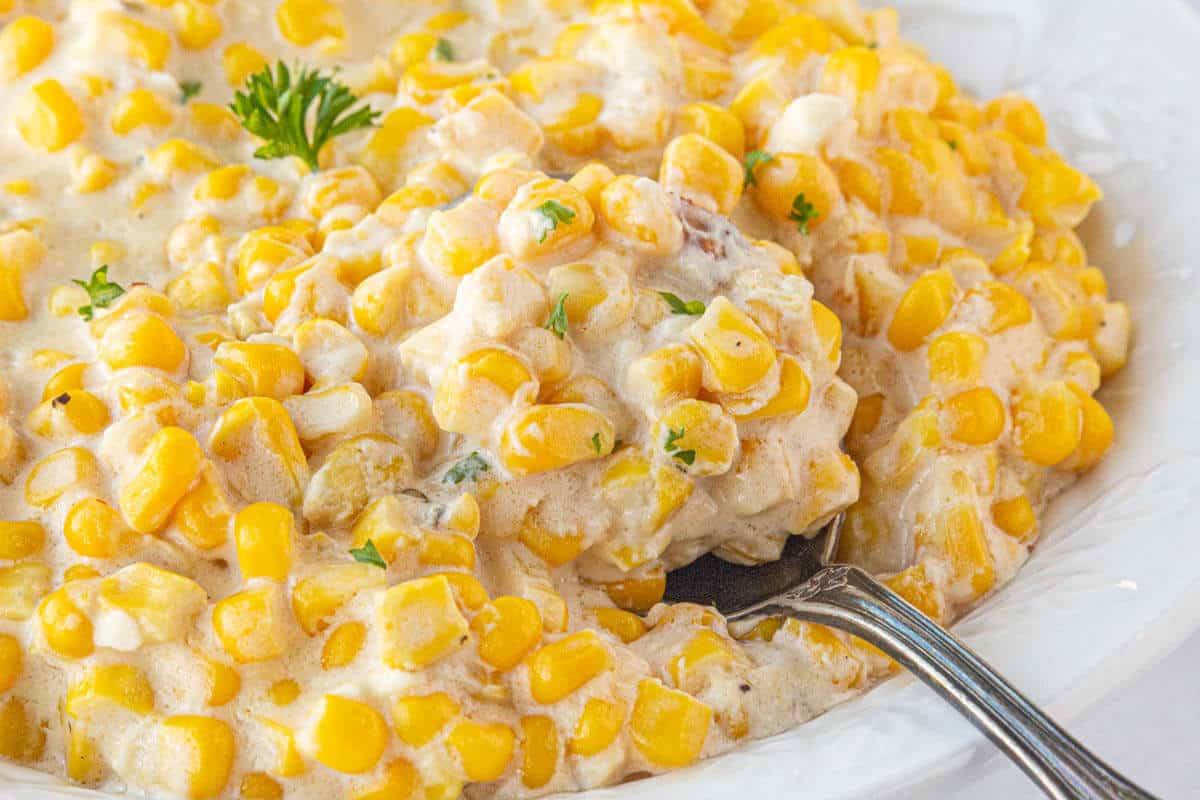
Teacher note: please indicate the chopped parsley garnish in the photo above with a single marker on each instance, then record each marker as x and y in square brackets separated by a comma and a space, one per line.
[443, 50]
[100, 291]
[188, 90]
[554, 212]
[556, 323]
[803, 212]
[953, 144]
[275, 107]
[670, 445]
[692, 308]
[368, 554]
[467, 469]
[596, 442]
[753, 159]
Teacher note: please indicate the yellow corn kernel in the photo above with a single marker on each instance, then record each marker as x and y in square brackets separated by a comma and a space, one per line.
[956, 358]
[257, 443]
[716, 124]
[224, 683]
[25, 42]
[95, 529]
[459, 240]
[305, 22]
[1096, 435]
[21, 252]
[198, 755]
[263, 534]
[548, 437]
[343, 645]
[136, 109]
[1015, 517]
[259, 786]
[162, 603]
[553, 547]
[318, 597]
[1019, 117]
[1047, 422]
[419, 718]
[539, 751]
[858, 181]
[288, 761]
[468, 592]
[121, 684]
[383, 154]
[21, 587]
[922, 309]
[976, 416]
[142, 340]
[529, 229]
[506, 630]
[484, 748]
[850, 72]
[915, 586]
[410, 48]
[1057, 195]
[638, 594]
[137, 40]
[197, 25]
[346, 735]
[638, 209]
[49, 118]
[794, 37]
[202, 515]
[262, 369]
[401, 781]
[20, 539]
[666, 376]
[200, 289]
[795, 389]
[736, 353]
[955, 533]
[58, 473]
[701, 171]
[250, 624]
[172, 461]
[387, 524]
[758, 104]
[446, 550]
[214, 121]
[597, 728]
[70, 414]
[179, 156]
[22, 737]
[240, 61]
[66, 630]
[420, 623]
[668, 727]
[268, 251]
[791, 178]
[478, 387]
[10, 661]
[697, 437]
[558, 669]
[626, 626]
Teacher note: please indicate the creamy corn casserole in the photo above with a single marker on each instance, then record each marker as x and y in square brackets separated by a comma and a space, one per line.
[365, 366]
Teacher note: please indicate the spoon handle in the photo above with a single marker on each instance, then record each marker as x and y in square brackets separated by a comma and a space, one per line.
[850, 600]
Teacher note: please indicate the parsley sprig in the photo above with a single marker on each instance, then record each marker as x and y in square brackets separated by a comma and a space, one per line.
[275, 107]
[671, 446]
[443, 50]
[596, 442]
[803, 212]
[556, 323]
[468, 469]
[368, 554]
[693, 308]
[754, 159]
[101, 292]
[554, 212]
[188, 90]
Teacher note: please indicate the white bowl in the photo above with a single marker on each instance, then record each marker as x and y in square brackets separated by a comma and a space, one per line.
[1115, 583]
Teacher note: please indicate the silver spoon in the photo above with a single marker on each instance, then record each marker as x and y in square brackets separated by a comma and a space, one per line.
[805, 585]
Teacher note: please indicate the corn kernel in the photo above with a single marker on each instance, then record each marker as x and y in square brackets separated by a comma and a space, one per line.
[1096, 435]
[420, 623]
[121, 684]
[343, 645]
[305, 22]
[548, 437]
[668, 727]
[263, 534]
[142, 340]
[66, 629]
[922, 310]
[1015, 517]
[484, 748]
[224, 683]
[539, 751]
[171, 463]
[197, 25]
[976, 416]
[419, 718]
[736, 353]
[10, 661]
[95, 529]
[70, 414]
[49, 119]
[60, 472]
[597, 728]
[1048, 422]
[202, 515]
[639, 210]
[21, 587]
[701, 171]
[506, 630]
[240, 61]
[249, 624]
[257, 444]
[560, 668]
[164, 604]
[198, 753]
[318, 597]
[25, 43]
[22, 737]
[136, 109]
[347, 736]
[138, 40]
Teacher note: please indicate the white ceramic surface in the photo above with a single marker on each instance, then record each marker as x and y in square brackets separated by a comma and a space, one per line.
[1115, 583]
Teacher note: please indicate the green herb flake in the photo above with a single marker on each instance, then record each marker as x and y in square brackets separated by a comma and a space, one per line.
[670, 445]
[596, 442]
[753, 160]
[468, 469]
[368, 554]
[443, 50]
[100, 291]
[188, 90]
[803, 212]
[556, 323]
[276, 108]
[693, 308]
[554, 212]
[953, 144]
